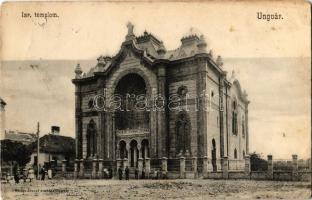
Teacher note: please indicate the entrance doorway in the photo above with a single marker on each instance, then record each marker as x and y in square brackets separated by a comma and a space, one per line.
[134, 153]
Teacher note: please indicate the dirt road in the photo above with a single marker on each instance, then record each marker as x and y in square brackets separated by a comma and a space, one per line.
[155, 189]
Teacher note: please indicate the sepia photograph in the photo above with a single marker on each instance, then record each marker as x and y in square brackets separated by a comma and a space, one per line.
[155, 100]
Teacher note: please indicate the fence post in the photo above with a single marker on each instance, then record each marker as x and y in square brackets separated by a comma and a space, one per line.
[270, 167]
[205, 166]
[164, 167]
[125, 163]
[294, 167]
[194, 166]
[225, 167]
[100, 172]
[140, 166]
[81, 168]
[93, 174]
[182, 167]
[147, 167]
[118, 163]
[63, 167]
[247, 164]
[76, 168]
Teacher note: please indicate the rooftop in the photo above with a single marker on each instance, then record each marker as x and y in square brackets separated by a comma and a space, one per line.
[25, 138]
[55, 144]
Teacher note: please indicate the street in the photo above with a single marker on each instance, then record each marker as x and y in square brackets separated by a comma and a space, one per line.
[156, 189]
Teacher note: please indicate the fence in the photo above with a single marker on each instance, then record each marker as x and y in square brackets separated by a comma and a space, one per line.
[284, 170]
[192, 167]
[236, 165]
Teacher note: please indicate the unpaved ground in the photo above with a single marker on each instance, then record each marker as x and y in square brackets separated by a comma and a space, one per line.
[155, 189]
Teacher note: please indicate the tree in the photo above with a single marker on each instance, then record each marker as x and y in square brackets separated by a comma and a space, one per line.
[15, 151]
[258, 163]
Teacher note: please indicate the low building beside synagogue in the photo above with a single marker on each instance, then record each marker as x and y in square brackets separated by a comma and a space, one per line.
[158, 109]
[53, 148]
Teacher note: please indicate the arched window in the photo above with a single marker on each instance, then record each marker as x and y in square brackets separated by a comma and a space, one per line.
[123, 153]
[91, 103]
[183, 128]
[244, 153]
[130, 94]
[235, 153]
[91, 139]
[182, 91]
[234, 118]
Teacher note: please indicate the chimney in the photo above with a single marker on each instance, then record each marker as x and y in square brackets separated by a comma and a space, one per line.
[55, 130]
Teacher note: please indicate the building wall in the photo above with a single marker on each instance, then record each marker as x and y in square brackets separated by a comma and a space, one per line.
[190, 108]
[44, 157]
[213, 119]
[237, 141]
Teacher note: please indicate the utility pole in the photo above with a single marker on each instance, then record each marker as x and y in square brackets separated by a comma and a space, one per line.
[38, 126]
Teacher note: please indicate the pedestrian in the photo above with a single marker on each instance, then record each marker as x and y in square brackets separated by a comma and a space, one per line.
[120, 173]
[49, 173]
[127, 172]
[110, 171]
[25, 174]
[136, 173]
[16, 173]
[42, 173]
[143, 173]
[156, 174]
[31, 175]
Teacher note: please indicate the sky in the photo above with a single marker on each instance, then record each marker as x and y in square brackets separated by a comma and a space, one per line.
[271, 59]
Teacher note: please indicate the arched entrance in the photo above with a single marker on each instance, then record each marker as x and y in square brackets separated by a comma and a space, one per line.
[134, 153]
[131, 112]
[123, 153]
[132, 121]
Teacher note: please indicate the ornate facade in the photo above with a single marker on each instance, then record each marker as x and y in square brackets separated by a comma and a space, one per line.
[147, 103]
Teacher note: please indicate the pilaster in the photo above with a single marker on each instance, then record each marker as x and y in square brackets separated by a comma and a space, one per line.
[162, 113]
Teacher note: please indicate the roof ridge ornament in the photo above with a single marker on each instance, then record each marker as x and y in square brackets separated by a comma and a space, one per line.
[202, 44]
[161, 50]
[78, 71]
[233, 75]
[130, 35]
[219, 61]
[210, 54]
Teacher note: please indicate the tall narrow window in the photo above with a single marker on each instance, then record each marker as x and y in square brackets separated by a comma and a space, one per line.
[234, 118]
[183, 133]
[91, 139]
[235, 153]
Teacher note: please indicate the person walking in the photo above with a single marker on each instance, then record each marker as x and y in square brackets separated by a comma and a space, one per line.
[127, 172]
[16, 173]
[143, 173]
[136, 173]
[49, 173]
[120, 173]
[42, 173]
[31, 175]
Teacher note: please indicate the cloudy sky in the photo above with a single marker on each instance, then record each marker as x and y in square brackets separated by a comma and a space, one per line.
[271, 59]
